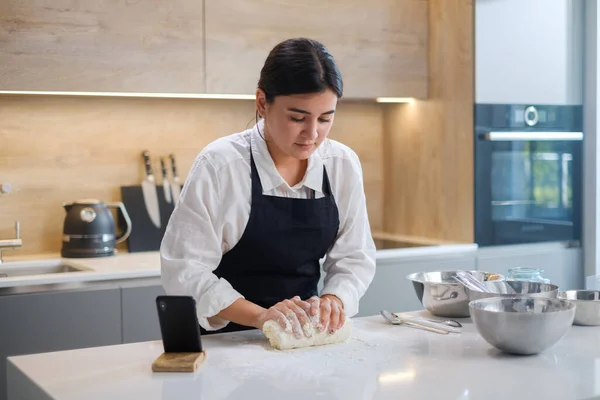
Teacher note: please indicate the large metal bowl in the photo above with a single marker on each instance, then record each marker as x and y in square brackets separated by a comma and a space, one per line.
[442, 295]
[522, 325]
[587, 306]
[514, 288]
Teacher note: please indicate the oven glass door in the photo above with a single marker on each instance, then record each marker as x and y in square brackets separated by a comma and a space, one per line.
[534, 188]
[532, 180]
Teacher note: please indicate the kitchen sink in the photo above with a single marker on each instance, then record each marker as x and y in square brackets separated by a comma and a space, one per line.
[43, 267]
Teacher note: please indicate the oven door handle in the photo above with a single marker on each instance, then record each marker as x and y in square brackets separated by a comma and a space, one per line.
[532, 136]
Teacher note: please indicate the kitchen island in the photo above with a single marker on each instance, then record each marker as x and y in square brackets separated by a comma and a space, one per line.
[379, 361]
[111, 301]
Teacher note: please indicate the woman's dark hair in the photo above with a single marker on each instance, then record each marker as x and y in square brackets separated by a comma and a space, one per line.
[299, 66]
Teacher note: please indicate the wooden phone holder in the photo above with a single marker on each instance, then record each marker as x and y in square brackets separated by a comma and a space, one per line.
[178, 362]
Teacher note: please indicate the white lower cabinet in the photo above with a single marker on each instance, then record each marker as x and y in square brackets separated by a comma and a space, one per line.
[561, 264]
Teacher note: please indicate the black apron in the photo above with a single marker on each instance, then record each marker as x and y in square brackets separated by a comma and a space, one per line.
[278, 255]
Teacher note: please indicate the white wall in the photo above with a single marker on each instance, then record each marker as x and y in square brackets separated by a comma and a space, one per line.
[529, 51]
[591, 144]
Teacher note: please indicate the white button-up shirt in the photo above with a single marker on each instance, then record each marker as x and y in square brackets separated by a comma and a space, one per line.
[214, 208]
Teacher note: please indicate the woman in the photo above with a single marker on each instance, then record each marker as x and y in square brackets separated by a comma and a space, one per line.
[260, 208]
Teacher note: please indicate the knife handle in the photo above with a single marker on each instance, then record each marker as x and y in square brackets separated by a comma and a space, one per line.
[163, 167]
[173, 165]
[147, 162]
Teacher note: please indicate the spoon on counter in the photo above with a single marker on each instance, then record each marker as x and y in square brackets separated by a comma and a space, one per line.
[395, 320]
[449, 322]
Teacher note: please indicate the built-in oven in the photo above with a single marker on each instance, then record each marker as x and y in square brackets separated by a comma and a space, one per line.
[528, 173]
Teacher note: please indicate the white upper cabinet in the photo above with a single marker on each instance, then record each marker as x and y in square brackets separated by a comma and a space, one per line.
[529, 51]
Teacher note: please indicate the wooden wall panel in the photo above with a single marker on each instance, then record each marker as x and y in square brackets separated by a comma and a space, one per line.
[59, 149]
[429, 144]
[380, 46]
[102, 45]
[360, 126]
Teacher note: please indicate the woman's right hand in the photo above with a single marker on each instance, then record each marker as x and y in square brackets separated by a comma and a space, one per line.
[291, 314]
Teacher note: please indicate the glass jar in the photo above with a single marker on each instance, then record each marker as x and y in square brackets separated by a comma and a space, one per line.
[527, 274]
[592, 282]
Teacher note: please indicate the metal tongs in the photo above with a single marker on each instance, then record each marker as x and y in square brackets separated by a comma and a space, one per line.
[438, 327]
[470, 281]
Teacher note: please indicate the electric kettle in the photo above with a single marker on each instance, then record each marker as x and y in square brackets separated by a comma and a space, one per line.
[89, 229]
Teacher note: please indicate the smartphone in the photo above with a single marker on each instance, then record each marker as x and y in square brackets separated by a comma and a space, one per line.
[179, 325]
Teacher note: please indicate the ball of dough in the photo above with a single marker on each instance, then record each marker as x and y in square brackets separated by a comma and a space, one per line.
[282, 340]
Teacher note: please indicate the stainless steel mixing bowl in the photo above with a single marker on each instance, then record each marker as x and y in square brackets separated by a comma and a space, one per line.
[442, 295]
[587, 306]
[522, 325]
[515, 288]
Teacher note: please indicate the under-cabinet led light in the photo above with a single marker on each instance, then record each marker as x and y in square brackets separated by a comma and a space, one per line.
[394, 99]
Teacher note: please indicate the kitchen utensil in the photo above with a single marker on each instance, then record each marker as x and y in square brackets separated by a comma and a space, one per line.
[399, 321]
[89, 228]
[150, 192]
[470, 281]
[176, 184]
[587, 306]
[444, 296]
[514, 288]
[165, 181]
[522, 325]
[449, 322]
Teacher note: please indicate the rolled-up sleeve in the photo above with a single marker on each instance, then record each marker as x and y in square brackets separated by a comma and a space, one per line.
[191, 248]
[350, 263]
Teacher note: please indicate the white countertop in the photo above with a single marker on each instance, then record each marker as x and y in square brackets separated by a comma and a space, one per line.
[120, 266]
[147, 264]
[380, 361]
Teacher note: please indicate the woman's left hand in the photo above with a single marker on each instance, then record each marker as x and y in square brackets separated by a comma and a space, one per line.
[329, 310]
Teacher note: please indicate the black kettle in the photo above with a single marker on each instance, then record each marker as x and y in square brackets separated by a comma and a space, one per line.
[89, 229]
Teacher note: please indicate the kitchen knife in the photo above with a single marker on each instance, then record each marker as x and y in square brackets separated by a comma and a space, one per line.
[165, 181]
[176, 185]
[149, 191]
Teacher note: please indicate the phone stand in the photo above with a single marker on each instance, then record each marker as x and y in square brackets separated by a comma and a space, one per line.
[178, 362]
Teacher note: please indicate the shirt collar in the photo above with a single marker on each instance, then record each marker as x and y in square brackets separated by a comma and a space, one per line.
[269, 176]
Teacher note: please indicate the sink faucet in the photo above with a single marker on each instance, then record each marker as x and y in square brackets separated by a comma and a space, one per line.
[16, 242]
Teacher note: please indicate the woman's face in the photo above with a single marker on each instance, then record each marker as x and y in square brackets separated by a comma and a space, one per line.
[297, 124]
